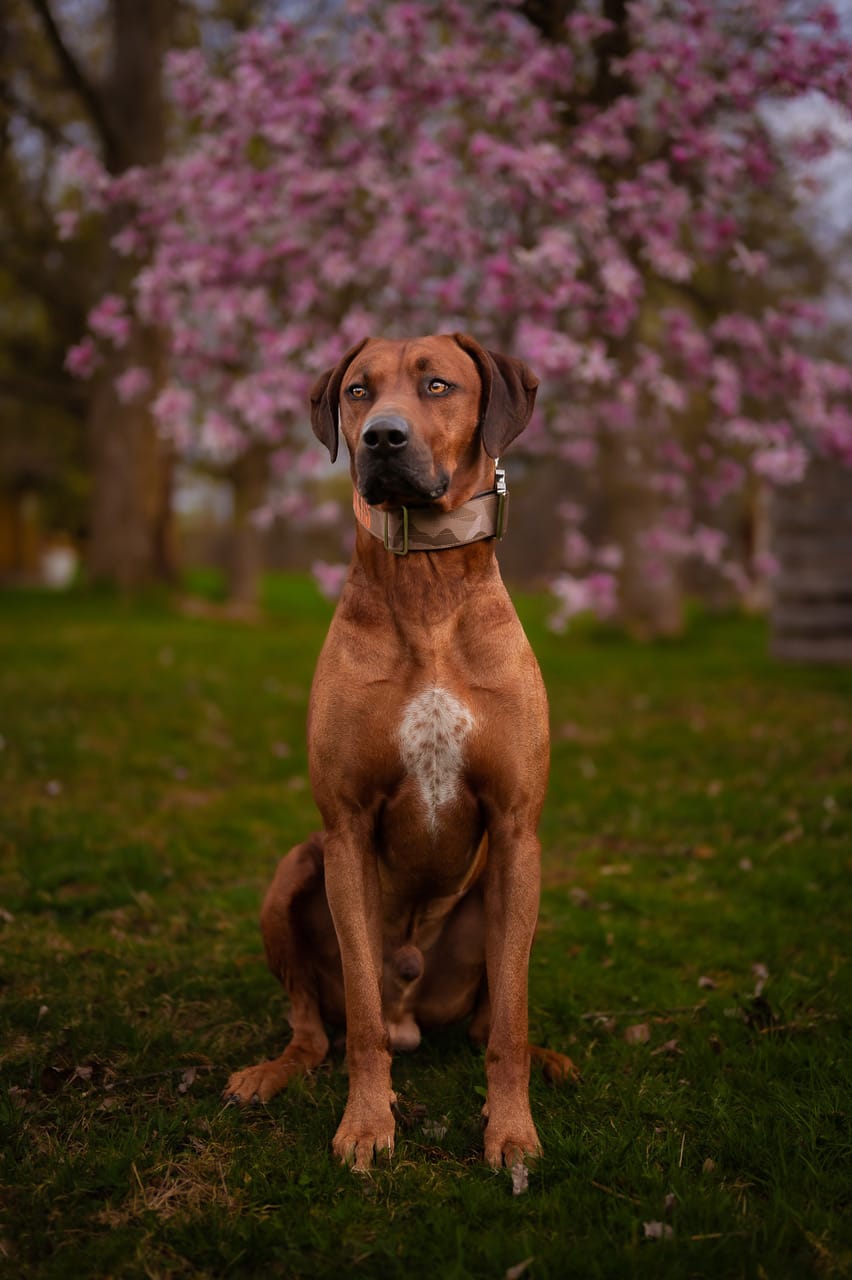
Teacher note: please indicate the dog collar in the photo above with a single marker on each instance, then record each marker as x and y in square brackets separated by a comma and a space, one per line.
[425, 529]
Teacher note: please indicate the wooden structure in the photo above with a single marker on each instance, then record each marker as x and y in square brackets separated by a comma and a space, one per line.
[812, 540]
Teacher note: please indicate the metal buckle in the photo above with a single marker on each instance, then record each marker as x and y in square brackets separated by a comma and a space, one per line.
[388, 547]
[502, 495]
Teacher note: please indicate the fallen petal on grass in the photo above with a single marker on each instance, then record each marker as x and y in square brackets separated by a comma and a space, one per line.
[670, 1047]
[657, 1230]
[515, 1272]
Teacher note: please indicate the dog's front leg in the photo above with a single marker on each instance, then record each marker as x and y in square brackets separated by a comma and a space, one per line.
[511, 908]
[354, 896]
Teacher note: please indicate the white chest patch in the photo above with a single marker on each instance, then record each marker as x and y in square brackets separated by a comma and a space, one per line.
[431, 737]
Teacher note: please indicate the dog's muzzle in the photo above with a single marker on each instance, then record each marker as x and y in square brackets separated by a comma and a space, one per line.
[392, 464]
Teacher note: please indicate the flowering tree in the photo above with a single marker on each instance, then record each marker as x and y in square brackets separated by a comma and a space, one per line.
[420, 168]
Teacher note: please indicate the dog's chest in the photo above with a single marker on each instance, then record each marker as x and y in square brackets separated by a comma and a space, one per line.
[433, 733]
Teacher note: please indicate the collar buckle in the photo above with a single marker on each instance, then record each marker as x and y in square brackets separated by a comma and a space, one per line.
[502, 494]
[403, 551]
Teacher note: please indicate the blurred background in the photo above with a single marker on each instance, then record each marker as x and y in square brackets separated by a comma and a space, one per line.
[650, 203]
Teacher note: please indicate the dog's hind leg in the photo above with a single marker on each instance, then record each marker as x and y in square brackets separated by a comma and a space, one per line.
[301, 951]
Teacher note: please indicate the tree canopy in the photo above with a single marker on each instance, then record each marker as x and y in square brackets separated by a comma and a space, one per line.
[415, 167]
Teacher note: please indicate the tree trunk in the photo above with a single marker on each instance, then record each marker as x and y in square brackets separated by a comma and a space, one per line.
[650, 592]
[131, 541]
[130, 537]
[249, 477]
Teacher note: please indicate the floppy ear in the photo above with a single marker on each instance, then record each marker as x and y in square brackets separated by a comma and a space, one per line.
[508, 394]
[325, 400]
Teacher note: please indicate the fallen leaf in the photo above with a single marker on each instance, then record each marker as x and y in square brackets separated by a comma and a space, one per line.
[670, 1047]
[657, 1231]
[703, 852]
[759, 1012]
[670, 1202]
[640, 1033]
[708, 1165]
[707, 984]
[53, 1078]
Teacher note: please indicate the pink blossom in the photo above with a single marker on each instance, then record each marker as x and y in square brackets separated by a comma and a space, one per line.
[596, 594]
[781, 466]
[67, 222]
[726, 386]
[133, 384]
[596, 368]
[329, 577]
[220, 440]
[109, 320]
[82, 359]
[749, 261]
[609, 558]
[708, 544]
[620, 278]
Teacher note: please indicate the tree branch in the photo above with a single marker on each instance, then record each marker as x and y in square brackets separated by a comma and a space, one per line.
[614, 44]
[18, 106]
[77, 81]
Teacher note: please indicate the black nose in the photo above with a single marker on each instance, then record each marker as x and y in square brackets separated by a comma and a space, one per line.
[385, 434]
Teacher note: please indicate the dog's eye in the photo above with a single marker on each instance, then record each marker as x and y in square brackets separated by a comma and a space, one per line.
[437, 386]
[356, 391]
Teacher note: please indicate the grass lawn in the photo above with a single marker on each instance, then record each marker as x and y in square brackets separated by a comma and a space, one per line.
[690, 957]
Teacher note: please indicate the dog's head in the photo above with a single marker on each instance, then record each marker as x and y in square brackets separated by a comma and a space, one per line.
[422, 417]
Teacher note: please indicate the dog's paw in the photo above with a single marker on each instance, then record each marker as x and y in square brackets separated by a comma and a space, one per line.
[557, 1068]
[256, 1084]
[511, 1144]
[361, 1137]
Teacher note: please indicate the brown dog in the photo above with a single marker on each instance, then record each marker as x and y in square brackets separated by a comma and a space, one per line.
[428, 743]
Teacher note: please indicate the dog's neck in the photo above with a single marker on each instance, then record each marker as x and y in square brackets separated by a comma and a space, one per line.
[424, 586]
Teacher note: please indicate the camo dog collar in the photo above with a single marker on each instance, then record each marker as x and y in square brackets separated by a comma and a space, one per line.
[425, 529]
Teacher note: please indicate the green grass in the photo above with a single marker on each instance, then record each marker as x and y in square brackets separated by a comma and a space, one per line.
[699, 824]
